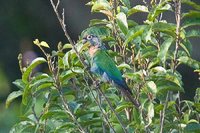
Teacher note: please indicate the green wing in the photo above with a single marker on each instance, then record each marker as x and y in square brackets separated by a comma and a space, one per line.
[106, 64]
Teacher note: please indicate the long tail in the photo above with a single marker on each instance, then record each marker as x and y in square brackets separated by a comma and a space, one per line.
[127, 92]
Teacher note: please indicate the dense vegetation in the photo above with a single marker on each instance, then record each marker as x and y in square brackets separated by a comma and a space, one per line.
[66, 97]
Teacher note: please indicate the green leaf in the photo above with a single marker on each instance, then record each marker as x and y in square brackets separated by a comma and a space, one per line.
[122, 22]
[126, 3]
[190, 62]
[100, 5]
[133, 33]
[167, 28]
[21, 126]
[192, 128]
[123, 65]
[158, 9]
[77, 70]
[151, 86]
[122, 106]
[164, 86]
[26, 94]
[56, 114]
[193, 33]
[19, 83]
[138, 8]
[67, 46]
[191, 3]
[150, 112]
[12, 96]
[94, 22]
[162, 54]
[34, 63]
[191, 19]
[186, 46]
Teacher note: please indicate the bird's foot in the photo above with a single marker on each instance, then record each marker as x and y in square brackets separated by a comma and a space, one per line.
[96, 83]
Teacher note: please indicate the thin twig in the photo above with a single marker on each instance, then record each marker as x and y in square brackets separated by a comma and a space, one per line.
[162, 113]
[113, 110]
[101, 109]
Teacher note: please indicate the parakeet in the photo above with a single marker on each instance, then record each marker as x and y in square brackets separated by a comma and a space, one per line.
[103, 65]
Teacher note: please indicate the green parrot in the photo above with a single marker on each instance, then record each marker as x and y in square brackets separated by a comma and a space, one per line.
[103, 65]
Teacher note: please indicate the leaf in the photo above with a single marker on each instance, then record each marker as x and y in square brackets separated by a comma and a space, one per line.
[193, 33]
[133, 33]
[162, 54]
[34, 63]
[21, 126]
[94, 22]
[150, 112]
[123, 65]
[42, 43]
[138, 8]
[77, 70]
[191, 19]
[158, 9]
[186, 46]
[66, 75]
[19, 83]
[126, 3]
[164, 86]
[123, 106]
[151, 86]
[67, 46]
[55, 114]
[191, 3]
[26, 94]
[12, 96]
[192, 128]
[190, 62]
[167, 28]
[100, 5]
[122, 22]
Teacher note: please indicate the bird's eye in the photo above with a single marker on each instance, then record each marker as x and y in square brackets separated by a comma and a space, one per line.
[89, 37]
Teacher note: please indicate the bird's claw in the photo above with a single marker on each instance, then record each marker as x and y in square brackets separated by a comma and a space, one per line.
[96, 84]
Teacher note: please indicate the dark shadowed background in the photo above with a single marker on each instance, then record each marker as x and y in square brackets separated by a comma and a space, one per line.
[22, 21]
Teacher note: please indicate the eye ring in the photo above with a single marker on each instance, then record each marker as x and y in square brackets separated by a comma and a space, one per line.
[89, 37]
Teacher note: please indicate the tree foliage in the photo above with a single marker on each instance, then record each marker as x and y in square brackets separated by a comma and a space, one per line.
[66, 98]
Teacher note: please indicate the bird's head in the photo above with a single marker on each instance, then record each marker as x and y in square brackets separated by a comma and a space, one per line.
[92, 40]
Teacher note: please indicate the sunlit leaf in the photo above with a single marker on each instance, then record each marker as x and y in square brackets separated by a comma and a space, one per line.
[122, 22]
[190, 62]
[152, 87]
[162, 54]
[133, 33]
[19, 83]
[123, 106]
[12, 96]
[126, 3]
[101, 5]
[193, 33]
[94, 22]
[157, 10]
[42, 43]
[138, 8]
[26, 94]
[34, 64]
[167, 28]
